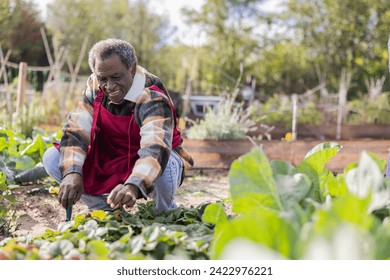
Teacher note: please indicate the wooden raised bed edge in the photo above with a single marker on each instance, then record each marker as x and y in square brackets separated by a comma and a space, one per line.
[348, 132]
[216, 154]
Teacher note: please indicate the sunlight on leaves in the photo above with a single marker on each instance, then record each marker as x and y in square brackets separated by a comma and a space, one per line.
[252, 184]
[98, 214]
[244, 249]
[366, 178]
[346, 242]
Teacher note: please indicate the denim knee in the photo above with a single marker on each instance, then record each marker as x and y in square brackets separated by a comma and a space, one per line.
[96, 202]
[50, 161]
[166, 185]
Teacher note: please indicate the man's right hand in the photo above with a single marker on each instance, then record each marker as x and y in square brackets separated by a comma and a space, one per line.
[71, 189]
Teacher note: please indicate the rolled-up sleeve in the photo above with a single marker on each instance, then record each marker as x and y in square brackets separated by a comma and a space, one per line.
[153, 114]
[76, 138]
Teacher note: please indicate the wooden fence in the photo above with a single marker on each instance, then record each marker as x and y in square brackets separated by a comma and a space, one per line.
[55, 69]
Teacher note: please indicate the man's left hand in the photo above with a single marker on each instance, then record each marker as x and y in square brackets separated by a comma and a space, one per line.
[123, 196]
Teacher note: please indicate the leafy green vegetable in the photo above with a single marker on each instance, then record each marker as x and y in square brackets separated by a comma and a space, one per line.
[304, 212]
[121, 235]
[252, 184]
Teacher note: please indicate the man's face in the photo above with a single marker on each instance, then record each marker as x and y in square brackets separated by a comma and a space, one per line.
[114, 78]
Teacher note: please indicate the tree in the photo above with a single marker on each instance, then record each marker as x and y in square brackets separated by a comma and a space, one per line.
[284, 67]
[350, 34]
[22, 33]
[5, 16]
[72, 20]
[229, 27]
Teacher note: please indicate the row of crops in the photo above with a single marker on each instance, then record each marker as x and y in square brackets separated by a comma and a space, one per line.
[280, 211]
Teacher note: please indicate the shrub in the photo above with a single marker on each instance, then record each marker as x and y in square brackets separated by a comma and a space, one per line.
[368, 111]
[278, 110]
[229, 122]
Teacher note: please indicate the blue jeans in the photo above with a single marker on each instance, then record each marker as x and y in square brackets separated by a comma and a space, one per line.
[163, 194]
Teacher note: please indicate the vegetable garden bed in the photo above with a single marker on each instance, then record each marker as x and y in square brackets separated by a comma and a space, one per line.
[275, 209]
[214, 154]
[328, 132]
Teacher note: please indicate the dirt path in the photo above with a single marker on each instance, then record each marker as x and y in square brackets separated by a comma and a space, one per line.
[38, 210]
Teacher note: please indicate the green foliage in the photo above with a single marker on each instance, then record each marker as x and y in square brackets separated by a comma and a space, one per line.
[287, 51]
[285, 68]
[313, 166]
[304, 212]
[29, 117]
[247, 182]
[229, 27]
[278, 110]
[297, 46]
[8, 218]
[228, 122]
[5, 15]
[120, 235]
[71, 20]
[20, 32]
[4, 222]
[351, 34]
[364, 110]
[17, 153]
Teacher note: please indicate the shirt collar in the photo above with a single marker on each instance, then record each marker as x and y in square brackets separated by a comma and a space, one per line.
[138, 85]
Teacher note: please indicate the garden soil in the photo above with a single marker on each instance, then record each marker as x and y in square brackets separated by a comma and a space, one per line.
[37, 209]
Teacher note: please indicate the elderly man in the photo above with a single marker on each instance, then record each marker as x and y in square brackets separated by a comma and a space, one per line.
[121, 143]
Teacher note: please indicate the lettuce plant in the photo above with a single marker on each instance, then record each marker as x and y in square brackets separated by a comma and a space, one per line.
[304, 212]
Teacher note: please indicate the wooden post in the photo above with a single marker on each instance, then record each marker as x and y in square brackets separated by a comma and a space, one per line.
[343, 91]
[4, 61]
[294, 99]
[46, 45]
[186, 103]
[75, 70]
[3, 72]
[340, 110]
[22, 78]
